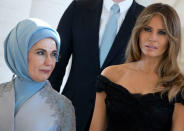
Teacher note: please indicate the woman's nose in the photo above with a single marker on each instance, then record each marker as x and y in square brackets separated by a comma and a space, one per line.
[153, 37]
[48, 60]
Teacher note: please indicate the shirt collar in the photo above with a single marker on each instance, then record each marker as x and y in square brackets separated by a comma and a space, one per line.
[124, 5]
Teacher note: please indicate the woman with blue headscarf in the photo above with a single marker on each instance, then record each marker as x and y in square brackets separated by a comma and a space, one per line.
[28, 103]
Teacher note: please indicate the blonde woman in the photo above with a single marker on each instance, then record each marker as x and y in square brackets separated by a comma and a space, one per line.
[147, 92]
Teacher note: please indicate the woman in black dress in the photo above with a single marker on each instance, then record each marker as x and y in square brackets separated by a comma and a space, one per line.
[147, 92]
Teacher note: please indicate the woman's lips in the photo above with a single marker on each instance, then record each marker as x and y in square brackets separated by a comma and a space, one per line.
[45, 71]
[151, 47]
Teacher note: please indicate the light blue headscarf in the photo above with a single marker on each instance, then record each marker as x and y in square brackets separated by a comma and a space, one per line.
[16, 46]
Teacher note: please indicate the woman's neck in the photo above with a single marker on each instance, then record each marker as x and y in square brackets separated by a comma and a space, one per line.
[147, 65]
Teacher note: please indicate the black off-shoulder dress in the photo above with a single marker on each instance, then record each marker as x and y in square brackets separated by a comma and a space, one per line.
[136, 112]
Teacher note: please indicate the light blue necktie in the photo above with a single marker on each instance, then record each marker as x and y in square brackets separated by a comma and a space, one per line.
[109, 33]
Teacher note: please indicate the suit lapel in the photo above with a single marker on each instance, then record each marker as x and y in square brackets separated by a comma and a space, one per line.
[94, 16]
[121, 40]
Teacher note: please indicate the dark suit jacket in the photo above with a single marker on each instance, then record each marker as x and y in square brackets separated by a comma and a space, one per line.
[79, 31]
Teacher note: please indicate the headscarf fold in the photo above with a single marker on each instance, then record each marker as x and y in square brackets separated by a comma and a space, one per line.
[16, 47]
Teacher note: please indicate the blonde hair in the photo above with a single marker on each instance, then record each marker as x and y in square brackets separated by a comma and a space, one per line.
[170, 78]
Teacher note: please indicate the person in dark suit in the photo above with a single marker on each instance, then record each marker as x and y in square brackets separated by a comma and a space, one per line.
[82, 27]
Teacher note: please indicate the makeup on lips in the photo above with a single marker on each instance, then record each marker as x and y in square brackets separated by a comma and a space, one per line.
[151, 47]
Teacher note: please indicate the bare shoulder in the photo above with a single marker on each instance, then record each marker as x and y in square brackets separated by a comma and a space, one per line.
[114, 72]
[178, 117]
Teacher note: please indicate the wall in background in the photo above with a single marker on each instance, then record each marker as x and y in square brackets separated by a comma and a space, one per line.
[11, 12]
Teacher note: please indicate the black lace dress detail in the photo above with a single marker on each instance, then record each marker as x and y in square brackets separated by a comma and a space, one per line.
[135, 112]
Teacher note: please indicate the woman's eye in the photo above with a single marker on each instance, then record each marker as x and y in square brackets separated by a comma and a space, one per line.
[147, 29]
[54, 54]
[40, 52]
[162, 32]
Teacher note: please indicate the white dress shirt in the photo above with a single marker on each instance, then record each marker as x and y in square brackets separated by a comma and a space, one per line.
[106, 10]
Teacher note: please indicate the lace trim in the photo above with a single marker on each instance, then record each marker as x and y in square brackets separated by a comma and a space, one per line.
[61, 113]
[5, 87]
